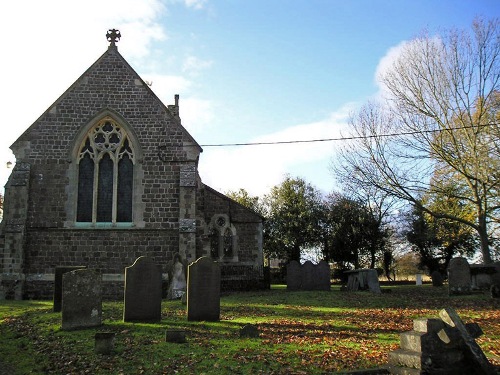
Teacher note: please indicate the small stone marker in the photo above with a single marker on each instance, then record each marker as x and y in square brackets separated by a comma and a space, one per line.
[293, 276]
[175, 335]
[142, 302]
[58, 275]
[249, 331]
[203, 291]
[473, 351]
[104, 342]
[459, 278]
[418, 279]
[82, 299]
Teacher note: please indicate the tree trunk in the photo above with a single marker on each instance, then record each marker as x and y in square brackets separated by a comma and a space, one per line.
[483, 236]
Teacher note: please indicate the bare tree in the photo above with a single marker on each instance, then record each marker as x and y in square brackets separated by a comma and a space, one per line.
[439, 123]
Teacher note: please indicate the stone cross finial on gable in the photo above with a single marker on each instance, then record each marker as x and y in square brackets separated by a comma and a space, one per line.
[113, 36]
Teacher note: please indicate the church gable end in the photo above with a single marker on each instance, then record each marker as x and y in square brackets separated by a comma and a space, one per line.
[110, 175]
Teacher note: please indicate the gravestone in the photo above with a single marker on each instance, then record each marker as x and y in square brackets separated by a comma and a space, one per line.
[58, 276]
[363, 279]
[437, 278]
[308, 276]
[293, 276]
[142, 302]
[203, 290]
[82, 299]
[323, 276]
[418, 279]
[443, 346]
[459, 278]
[372, 281]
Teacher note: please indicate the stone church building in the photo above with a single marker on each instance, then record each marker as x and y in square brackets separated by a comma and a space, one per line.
[107, 174]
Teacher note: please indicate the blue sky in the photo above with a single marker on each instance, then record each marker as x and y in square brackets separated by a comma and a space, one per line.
[246, 71]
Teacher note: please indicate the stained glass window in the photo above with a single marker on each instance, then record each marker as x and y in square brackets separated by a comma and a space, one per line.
[105, 175]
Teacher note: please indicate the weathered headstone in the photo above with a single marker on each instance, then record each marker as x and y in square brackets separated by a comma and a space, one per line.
[418, 279]
[308, 276]
[82, 299]
[58, 275]
[323, 276]
[203, 290]
[459, 279]
[443, 346]
[293, 276]
[372, 281]
[472, 349]
[142, 302]
[437, 278]
[363, 279]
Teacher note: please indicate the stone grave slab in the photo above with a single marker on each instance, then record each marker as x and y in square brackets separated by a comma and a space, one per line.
[142, 300]
[459, 277]
[323, 276]
[203, 290]
[308, 276]
[58, 275]
[293, 276]
[82, 299]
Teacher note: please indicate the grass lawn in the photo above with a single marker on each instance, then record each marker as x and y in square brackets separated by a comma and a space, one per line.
[300, 333]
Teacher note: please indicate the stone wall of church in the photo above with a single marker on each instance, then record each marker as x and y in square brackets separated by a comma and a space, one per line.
[247, 273]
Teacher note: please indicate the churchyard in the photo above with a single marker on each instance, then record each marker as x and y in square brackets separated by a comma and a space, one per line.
[299, 332]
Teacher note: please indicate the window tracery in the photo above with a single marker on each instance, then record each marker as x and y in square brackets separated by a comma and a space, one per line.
[105, 174]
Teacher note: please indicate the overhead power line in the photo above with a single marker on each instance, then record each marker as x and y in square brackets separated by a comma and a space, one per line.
[340, 138]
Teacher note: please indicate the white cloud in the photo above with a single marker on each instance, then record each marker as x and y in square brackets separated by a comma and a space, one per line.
[195, 4]
[193, 65]
[231, 168]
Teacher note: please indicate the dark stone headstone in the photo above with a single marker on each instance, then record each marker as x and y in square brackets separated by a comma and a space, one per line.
[82, 299]
[323, 276]
[293, 276]
[143, 282]
[459, 278]
[203, 290]
[437, 278]
[308, 276]
[59, 271]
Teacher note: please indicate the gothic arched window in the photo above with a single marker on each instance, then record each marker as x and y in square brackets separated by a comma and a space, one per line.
[105, 175]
